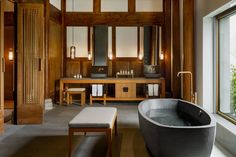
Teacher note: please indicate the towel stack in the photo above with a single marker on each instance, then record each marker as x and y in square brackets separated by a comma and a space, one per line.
[97, 90]
[48, 104]
[153, 89]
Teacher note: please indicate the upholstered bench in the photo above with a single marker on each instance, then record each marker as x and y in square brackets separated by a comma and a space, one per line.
[94, 119]
[72, 91]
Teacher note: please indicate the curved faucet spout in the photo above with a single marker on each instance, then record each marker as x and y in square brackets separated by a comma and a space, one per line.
[191, 82]
[184, 72]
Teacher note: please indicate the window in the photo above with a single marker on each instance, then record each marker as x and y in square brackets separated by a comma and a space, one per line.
[226, 65]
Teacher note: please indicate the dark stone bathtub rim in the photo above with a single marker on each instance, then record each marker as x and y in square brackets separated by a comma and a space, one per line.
[212, 123]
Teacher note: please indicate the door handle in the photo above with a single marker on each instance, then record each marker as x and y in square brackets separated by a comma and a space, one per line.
[40, 64]
[3, 65]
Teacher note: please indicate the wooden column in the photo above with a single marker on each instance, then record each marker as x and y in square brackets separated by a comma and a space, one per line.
[167, 46]
[96, 6]
[131, 6]
[188, 46]
[1, 69]
[47, 15]
[176, 49]
[63, 36]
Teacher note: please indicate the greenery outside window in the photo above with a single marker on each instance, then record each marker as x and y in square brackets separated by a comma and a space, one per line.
[226, 64]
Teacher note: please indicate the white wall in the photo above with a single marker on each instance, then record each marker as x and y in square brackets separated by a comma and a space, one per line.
[203, 8]
[204, 49]
[56, 3]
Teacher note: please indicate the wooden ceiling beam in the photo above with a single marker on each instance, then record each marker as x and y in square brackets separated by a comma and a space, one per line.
[118, 19]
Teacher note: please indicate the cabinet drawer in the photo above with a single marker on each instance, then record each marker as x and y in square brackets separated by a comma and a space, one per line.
[125, 90]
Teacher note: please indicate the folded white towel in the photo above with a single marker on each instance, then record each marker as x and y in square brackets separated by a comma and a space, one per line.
[94, 90]
[150, 89]
[76, 89]
[100, 90]
[156, 89]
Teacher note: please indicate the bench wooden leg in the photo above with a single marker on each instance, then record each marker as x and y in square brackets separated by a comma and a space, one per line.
[91, 99]
[83, 98]
[116, 126]
[104, 99]
[68, 98]
[109, 142]
[70, 142]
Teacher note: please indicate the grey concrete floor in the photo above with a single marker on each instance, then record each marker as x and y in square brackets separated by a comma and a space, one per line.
[50, 138]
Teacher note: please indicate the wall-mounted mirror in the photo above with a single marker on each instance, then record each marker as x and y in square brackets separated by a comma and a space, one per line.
[126, 42]
[77, 37]
[151, 46]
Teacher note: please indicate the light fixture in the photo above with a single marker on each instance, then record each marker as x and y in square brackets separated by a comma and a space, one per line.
[140, 56]
[162, 55]
[72, 48]
[10, 55]
[110, 57]
[89, 56]
[141, 43]
[72, 52]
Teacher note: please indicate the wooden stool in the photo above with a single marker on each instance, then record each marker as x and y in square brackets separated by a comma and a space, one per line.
[103, 98]
[72, 91]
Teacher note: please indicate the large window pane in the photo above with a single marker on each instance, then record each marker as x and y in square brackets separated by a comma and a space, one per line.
[227, 66]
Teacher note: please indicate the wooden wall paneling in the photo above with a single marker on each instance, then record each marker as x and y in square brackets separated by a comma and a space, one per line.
[96, 6]
[1, 69]
[131, 6]
[86, 68]
[8, 75]
[128, 64]
[116, 19]
[110, 68]
[54, 56]
[176, 88]
[30, 63]
[188, 46]
[73, 68]
[8, 18]
[137, 67]
[167, 46]
[47, 16]
[55, 14]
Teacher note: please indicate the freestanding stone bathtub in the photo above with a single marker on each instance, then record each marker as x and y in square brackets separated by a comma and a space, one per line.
[176, 128]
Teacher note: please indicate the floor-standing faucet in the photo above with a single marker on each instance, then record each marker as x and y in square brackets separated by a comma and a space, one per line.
[191, 83]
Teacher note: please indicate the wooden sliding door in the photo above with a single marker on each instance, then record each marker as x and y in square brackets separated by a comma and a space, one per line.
[30, 63]
[1, 69]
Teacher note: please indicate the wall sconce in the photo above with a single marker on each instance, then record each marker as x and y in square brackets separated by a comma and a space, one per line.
[89, 56]
[110, 56]
[10, 55]
[140, 56]
[162, 55]
[72, 52]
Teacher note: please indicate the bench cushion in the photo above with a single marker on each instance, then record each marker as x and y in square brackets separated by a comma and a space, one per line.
[75, 89]
[94, 117]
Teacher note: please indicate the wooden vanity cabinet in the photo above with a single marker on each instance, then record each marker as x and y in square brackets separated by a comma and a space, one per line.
[125, 90]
